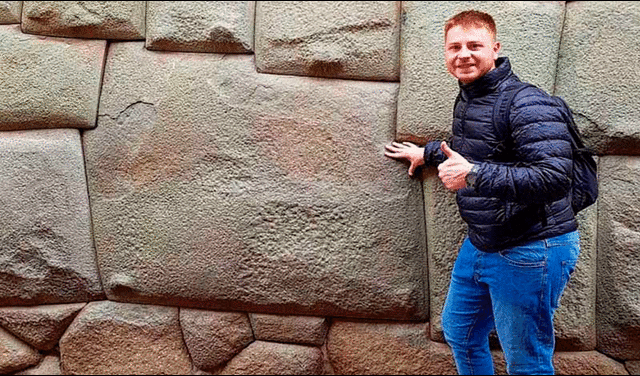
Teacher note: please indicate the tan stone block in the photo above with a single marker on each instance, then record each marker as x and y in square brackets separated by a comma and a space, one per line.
[15, 355]
[305, 330]
[10, 12]
[48, 82]
[85, 19]
[270, 358]
[200, 26]
[336, 39]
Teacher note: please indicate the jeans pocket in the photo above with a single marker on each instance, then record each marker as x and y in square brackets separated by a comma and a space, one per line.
[568, 268]
[532, 255]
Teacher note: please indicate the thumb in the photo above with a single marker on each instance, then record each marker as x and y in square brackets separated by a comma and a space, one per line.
[446, 149]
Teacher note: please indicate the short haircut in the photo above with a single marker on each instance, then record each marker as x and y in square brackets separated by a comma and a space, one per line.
[471, 18]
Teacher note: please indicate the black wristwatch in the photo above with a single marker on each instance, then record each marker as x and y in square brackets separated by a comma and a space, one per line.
[472, 176]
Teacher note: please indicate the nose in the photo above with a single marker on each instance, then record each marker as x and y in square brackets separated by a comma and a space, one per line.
[464, 53]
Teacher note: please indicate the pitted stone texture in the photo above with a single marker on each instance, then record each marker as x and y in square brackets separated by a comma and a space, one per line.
[15, 355]
[46, 249]
[445, 233]
[575, 320]
[123, 20]
[200, 26]
[599, 94]
[305, 330]
[270, 358]
[213, 338]
[337, 39]
[386, 348]
[586, 363]
[40, 326]
[48, 82]
[50, 365]
[528, 30]
[216, 187]
[633, 367]
[120, 338]
[618, 303]
[10, 12]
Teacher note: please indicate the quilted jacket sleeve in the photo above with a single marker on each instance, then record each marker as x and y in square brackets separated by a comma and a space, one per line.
[542, 146]
[433, 155]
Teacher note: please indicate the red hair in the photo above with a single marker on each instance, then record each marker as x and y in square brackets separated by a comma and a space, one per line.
[471, 18]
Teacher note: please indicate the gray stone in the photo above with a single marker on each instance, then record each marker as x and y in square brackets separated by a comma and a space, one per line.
[337, 39]
[445, 232]
[270, 358]
[618, 301]
[50, 365]
[15, 355]
[200, 26]
[40, 326]
[598, 70]
[46, 248]
[305, 330]
[121, 338]
[124, 20]
[213, 338]
[530, 35]
[10, 12]
[386, 348]
[575, 320]
[215, 187]
[48, 82]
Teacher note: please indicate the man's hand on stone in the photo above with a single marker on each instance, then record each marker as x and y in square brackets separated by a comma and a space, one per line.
[454, 170]
[406, 151]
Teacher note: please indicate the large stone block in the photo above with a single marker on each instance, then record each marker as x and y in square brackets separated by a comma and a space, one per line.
[119, 338]
[10, 12]
[48, 82]
[46, 249]
[200, 26]
[123, 20]
[386, 348]
[216, 187]
[530, 36]
[338, 39]
[598, 71]
[618, 303]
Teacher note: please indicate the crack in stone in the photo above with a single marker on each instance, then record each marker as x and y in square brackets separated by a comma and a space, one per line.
[125, 110]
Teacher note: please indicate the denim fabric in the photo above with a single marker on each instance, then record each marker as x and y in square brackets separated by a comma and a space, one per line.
[516, 291]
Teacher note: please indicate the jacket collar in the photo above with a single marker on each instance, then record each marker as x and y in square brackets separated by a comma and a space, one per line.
[489, 82]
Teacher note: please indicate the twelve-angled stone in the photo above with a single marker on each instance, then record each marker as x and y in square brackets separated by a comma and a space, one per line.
[46, 248]
[48, 82]
[216, 187]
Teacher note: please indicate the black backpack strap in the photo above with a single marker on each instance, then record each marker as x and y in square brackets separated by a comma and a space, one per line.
[501, 114]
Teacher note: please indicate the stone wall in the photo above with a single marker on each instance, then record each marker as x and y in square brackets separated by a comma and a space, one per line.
[201, 187]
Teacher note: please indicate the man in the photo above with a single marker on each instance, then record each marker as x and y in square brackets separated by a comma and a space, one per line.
[522, 242]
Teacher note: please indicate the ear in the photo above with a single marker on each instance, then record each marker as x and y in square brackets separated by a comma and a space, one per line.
[496, 48]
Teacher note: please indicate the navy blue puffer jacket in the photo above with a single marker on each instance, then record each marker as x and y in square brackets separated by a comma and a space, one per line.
[526, 197]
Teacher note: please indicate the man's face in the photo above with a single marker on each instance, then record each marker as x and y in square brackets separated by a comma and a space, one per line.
[470, 53]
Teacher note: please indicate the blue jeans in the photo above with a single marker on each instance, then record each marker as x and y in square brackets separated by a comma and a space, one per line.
[515, 291]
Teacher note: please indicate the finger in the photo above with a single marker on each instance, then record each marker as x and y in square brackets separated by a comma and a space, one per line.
[409, 144]
[446, 150]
